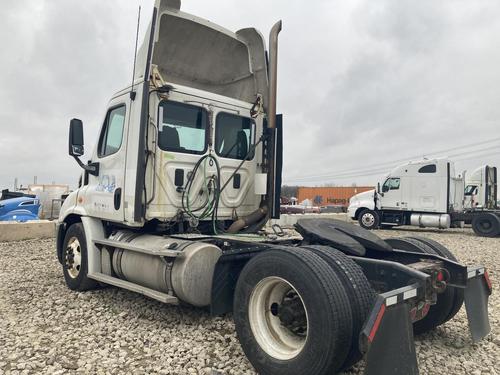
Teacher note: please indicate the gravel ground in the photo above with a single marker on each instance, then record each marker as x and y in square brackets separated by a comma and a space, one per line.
[46, 328]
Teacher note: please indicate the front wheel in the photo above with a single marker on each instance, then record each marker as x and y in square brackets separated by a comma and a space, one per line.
[369, 219]
[75, 260]
[292, 314]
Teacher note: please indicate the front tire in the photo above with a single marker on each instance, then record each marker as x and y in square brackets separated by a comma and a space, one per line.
[75, 260]
[292, 314]
[369, 219]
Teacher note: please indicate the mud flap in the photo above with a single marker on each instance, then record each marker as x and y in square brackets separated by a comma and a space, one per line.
[476, 302]
[387, 339]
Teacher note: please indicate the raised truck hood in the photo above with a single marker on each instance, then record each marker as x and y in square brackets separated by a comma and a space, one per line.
[194, 52]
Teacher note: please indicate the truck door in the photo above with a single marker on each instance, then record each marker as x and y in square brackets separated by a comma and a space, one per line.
[104, 193]
[391, 199]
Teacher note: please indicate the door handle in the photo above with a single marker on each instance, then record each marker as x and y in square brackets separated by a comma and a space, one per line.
[117, 198]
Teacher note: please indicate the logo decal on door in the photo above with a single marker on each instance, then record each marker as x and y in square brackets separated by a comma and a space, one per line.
[106, 183]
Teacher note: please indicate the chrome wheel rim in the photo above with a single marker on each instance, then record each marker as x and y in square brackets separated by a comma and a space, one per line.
[278, 318]
[368, 219]
[73, 257]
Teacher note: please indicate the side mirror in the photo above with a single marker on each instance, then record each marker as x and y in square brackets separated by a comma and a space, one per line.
[76, 137]
[76, 146]
[378, 189]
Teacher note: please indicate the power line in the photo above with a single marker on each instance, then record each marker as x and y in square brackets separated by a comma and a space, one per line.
[395, 162]
[381, 170]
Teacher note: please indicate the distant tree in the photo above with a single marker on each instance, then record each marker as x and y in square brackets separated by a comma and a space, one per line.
[289, 191]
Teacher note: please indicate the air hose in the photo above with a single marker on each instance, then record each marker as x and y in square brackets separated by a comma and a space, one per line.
[212, 186]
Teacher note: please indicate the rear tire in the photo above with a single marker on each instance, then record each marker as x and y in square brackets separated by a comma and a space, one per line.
[75, 260]
[369, 219]
[274, 286]
[486, 224]
[459, 297]
[439, 312]
[358, 289]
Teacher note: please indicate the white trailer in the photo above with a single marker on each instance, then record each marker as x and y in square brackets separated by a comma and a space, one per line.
[426, 193]
[186, 173]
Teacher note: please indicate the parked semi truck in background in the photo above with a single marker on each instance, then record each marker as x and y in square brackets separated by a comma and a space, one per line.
[426, 193]
[481, 188]
[186, 173]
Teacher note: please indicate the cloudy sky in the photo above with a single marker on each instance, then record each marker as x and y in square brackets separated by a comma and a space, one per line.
[363, 84]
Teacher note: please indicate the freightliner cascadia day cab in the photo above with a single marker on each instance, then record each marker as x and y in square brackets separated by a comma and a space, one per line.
[426, 193]
[185, 175]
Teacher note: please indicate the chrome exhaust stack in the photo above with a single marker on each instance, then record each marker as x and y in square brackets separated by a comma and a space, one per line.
[271, 117]
[273, 73]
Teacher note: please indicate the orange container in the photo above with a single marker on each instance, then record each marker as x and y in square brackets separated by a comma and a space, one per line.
[330, 196]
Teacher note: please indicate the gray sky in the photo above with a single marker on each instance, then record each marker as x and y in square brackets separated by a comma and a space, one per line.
[361, 83]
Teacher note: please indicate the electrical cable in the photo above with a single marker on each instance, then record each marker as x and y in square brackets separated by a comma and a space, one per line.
[350, 172]
[357, 172]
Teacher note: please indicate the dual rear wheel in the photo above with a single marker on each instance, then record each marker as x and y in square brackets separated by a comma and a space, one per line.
[296, 312]
[450, 301]
[486, 224]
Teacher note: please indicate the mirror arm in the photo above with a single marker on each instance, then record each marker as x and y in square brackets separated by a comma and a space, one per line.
[92, 168]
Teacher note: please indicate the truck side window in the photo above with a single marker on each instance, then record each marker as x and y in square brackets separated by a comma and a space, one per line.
[429, 168]
[470, 190]
[234, 136]
[111, 137]
[391, 184]
[183, 128]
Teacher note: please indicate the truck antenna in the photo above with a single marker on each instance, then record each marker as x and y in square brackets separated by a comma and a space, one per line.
[132, 92]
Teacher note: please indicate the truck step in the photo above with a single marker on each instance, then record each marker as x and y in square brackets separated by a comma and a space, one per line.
[159, 296]
[125, 245]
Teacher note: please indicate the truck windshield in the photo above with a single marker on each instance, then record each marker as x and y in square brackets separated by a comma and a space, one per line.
[182, 128]
[234, 136]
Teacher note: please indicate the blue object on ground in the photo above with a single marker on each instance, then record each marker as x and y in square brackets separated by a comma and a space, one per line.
[19, 209]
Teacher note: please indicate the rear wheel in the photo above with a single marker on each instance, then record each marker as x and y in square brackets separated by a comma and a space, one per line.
[292, 314]
[358, 289]
[458, 299]
[75, 260]
[369, 219]
[440, 311]
[486, 224]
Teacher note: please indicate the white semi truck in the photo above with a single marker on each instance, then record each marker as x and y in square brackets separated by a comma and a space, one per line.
[426, 193]
[481, 188]
[185, 174]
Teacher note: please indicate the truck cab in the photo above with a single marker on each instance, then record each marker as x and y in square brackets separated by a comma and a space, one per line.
[481, 188]
[189, 143]
[420, 189]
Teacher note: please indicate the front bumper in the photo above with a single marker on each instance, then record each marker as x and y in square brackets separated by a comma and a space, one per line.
[351, 212]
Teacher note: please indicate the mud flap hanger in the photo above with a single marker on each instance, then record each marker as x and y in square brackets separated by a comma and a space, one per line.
[387, 336]
[477, 293]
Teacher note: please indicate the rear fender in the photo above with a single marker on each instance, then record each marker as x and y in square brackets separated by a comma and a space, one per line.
[387, 335]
